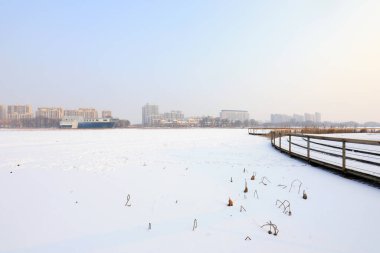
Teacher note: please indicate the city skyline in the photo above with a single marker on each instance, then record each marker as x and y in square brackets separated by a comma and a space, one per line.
[21, 111]
[200, 57]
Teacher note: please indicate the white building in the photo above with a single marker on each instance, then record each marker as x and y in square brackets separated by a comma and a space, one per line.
[298, 118]
[318, 117]
[280, 118]
[234, 115]
[309, 117]
[150, 115]
[174, 116]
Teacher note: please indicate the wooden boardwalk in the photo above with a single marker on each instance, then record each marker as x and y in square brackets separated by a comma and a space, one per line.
[350, 157]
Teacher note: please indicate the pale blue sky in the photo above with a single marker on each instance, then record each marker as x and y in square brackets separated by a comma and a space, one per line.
[195, 56]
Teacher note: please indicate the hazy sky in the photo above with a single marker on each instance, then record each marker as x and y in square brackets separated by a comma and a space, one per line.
[195, 56]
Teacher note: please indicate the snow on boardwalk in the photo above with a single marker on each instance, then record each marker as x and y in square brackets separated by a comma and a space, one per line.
[321, 148]
[66, 191]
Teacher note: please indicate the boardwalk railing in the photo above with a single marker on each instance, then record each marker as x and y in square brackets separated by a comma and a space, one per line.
[313, 130]
[356, 157]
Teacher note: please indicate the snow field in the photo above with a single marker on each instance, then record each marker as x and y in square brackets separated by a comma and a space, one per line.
[68, 194]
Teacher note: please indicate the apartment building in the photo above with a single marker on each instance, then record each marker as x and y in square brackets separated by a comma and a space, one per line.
[49, 112]
[234, 115]
[150, 115]
[16, 112]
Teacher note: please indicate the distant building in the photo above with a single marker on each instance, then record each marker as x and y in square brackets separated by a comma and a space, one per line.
[280, 118]
[71, 113]
[106, 114]
[150, 115]
[173, 116]
[309, 117]
[318, 117]
[3, 112]
[298, 118]
[234, 115]
[85, 113]
[16, 112]
[49, 113]
[155, 120]
[275, 118]
[193, 121]
[89, 113]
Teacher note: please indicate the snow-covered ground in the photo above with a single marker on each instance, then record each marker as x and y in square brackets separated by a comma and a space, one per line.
[66, 191]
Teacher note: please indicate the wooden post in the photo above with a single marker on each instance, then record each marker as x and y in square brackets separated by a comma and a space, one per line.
[308, 148]
[274, 138]
[344, 157]
[290, 144]
[280, 140]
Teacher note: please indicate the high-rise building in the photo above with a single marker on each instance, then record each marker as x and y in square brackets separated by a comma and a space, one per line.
[3, 112]
[106, 114]
[150, 115]
[309, 117]
[49, 113]
[16, 112]
[280, 118]
[234, 115]
[298, 118]
[318, 117]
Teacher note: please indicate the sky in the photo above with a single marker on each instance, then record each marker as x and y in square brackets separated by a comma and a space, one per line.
[196, 56]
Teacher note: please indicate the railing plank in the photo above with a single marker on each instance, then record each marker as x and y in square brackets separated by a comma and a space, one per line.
[344, 156]
[347, 140]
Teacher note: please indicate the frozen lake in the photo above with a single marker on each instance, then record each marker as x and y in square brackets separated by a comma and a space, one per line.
[66, 191]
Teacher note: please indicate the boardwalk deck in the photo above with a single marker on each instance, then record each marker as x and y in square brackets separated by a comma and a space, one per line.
[350, 157]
